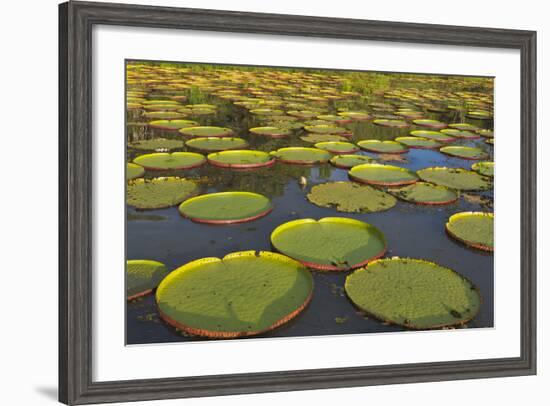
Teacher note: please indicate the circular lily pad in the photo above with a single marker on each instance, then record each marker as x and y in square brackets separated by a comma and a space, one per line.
[430, 123]
[134, 171]
[433, 135]
[334, 118]
[172, 125]
[350, 197]
[331, 243]
[356, 115]
[241, 159]
[486, 133]
[474, 229]
[480, 114]
[383, 175]
[301, 155]
[337, 147]
[156, 143]
[391, 123]
[349, 161]
[383, 147]
[159, 193]
[325, 129]
[485, 168]
[142, 276]
[213, 144]
[315, 138]
[243, 294]
[464, 126]
[460, 133]
[273, 132]
[425, 193]
[226, 207]
[413, 293]
[490, 141]
[464, 152]
[418, 142]
[176, 160]
[206, 131]
[165, 115]
[455, 178]
[302, 114]
[267, 112]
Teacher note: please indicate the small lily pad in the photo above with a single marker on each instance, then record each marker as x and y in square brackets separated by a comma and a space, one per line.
[214, 144]
[158, 193]
[464, 152]
[413, 293]
[240, 159]
[485, 168]
[331, 243]
[350, 197]
[142, 276]
[418, 142]
[433, 135]
[474, 229]
[383, 175]
[226, 207]
[134, 171]
[156, 143]
[349, 161]
[425, 193]
[165, 115]
[391, 123]
[455, 178]
[383, 147]
[206, 131]
[337, 147]
[430, 123]
[315, 138]
[176, 160]
[325, 129]
[301, 155]
[460, 133]
[172, 125]
[273, 132]
[464, 126]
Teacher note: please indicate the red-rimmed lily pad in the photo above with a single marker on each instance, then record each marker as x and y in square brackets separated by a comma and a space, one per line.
[464, 152]
[241, 159]
[335, 118]
[356, 115]
[383, 147]
[172, 125]
[326, 129]
[347, 161]
[425, 193]
[474, 229]
[350, 197]
[214, 144]
[383, 175]
[329, 244]
[464, 126]
[156, 144]
[176, 160]
[430, 123]
[393, 123]
[226, 207]
[207, 131]
[301, 155]
[164, 115]
[485, 168]
[273, 132]
[315, 138]
[134, 171]
[337, 147]
[453, 132]
[433, 135]
[142, 276]
[159, 193]
[418, 142]
[455, 178]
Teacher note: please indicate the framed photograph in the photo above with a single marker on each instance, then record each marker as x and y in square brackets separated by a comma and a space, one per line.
[259, 202]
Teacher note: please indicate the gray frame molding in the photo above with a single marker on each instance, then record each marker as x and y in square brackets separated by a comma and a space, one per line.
[75, 179]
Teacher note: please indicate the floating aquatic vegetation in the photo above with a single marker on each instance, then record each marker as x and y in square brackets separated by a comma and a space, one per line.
[474, 229]
[134, 171]
[335, 118]
[172, 125]
[409, 114]
[241, 159]
[425, 193]
[164, 115]
[464, 127]
[337, 147]
[175, 160]
[350, 197]
[214, 144]
[479, 114]
[158, 193]
[430, 123]
[385, 147]
[464, 152]
[355, 115]
[226, 207]
[382, 175]
[142, 276]
[245, 293]
[346, 161]
[303, 113]
[273, 132]
[329, 244]
[156, 143]
[418, 142]
[315, 138]
[198, 109]
[301, 155]
[490, 141]
[326, 129]
[455, 178]
[391, 123]
[207, 131]
[486, 133]
[413, 293]
[433, 135]
[267, 112]
[460, 133]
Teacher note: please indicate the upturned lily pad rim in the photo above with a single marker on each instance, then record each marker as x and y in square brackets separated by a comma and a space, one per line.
[274, 132]
[404, 140]
[422, 134]
[323, 267]
[146, 291]
[426, 122]
[198, 140]
[223, 131]
[456, 216]
[477, 166]
[381, 183]
[140, 170]
[236, 334]
[325, 159]
[158, 124]
[395, 192]
[363, 145]
[212, 159]
[334, 160]
[448, 151]
[459, 134]
[199, 163]
[329, 146]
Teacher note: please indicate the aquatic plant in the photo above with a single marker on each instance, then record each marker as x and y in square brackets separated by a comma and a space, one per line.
[337, 147]
[474, 229]
[455, 178]
[384, 147]
[214, 144]
[346, 161]
[350, 197]
[159, 193]
[240, 159]
[464, 152]
[425, 193]
[142, 276]
[485, 168]
[382, 175]
[156, 143]
[301, 155]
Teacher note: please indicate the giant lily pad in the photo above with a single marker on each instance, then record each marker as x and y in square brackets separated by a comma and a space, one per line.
[425, 193]
[418, 142]
[302, 114]
[337, 147]
[464, 152]
[206, 131]
[273, 132]
[331, 243]
[485, 168]
[326, 129]
[176, 160]
[213, 144]
[142, 276]
[479, 114]
[243, 294]
[165, 115]
[355, 115]
[267, 112]
[464, 126]
[226, 207]
[156, 143]
[241, 159]
[350, 197]
[158, 193]
[413, 293]
[384, 175]
[172, 125]
[430, 123]
[315, 138]
[391, 123]
[460, 133]
[474, 229]
[383, 147]
[433, 135]
[349, 161]
[455, 178]
[335, 119]
[301, 155]
[134, 171]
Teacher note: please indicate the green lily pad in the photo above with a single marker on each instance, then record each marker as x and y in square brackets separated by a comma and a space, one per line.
[391, 123]
[490, 141]
[156, 143]
[302, 114]
[142, 276]
[315, 138]
[430, 123]
[418, 142]
[214, 144]
[165, 115]
[273, 132]
[337, 147]
[134, 171]
[425, 193]
[486, 133]
[301, 155]
[356, 115]
[350, 197]
[383, 147]
[409, 114]
[206, 131]
[480, 115]
[226, 207]
[176, 160]
[245, 293]
[383, 175]
[334, 118]
[464, 152]
[432, 135]
[267, 112]
[162, 107]
[474, 229]
[159, 193]
[240, 159]
[455, 178]
[460, 133]
[331, 243]
[485, 168]
[325, 129]
[464, 126]
[199, 109]
[413, 293]
[172, 125]
[349, 161]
